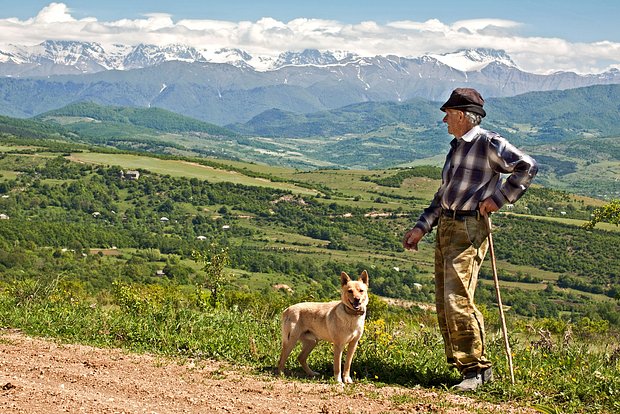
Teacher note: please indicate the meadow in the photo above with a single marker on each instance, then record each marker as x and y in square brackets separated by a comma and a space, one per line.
[124, 277]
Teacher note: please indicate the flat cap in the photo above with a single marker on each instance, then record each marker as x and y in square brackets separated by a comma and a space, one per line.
[465, 99]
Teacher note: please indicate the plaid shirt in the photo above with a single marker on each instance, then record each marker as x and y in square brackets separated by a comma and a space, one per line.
[472, 173]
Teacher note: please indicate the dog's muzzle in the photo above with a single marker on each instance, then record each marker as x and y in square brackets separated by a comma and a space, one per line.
[356, 307]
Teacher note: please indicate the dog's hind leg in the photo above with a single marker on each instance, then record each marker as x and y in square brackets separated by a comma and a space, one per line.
[290, 336]
[308, 342]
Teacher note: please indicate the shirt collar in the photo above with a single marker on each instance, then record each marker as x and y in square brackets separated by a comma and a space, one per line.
[469, 135]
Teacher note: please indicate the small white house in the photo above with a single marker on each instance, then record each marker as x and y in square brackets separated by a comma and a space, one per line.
[4, 217]
[132, 175]
[201, 238]
[164, 219]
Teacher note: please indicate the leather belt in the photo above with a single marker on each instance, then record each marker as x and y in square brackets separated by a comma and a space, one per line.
[460, 214]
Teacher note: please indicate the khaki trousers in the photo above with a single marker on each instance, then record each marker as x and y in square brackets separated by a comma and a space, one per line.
[459, 251]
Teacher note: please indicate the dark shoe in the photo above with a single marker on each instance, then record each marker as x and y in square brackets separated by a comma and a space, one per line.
[473, 379]
[487, 375]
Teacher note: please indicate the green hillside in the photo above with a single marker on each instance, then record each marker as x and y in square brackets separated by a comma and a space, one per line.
[31, 129]
[357, 118]
[88, 254]
[150, 118]
[352, 217]
[576, 145]
[554, 116]
[533, 118]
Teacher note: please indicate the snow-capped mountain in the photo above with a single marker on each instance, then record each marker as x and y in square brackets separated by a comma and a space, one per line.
[314, 57]
[231, 56]
[72, 57]
[84, 57]
[471, 60]
[225, 86]
[142, 56]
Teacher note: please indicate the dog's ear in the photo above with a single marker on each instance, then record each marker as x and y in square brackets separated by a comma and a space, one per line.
[364, 277]
[344, 278]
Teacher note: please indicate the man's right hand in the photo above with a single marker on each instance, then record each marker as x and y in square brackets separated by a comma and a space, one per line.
[412, 237]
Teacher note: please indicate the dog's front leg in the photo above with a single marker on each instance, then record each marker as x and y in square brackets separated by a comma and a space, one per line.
[338, 349]
[346, 374]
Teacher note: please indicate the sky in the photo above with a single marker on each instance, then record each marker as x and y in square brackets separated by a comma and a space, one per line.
[541, 36]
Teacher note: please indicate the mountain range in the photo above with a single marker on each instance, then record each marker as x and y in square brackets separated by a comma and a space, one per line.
[54, 57]
[228, 86]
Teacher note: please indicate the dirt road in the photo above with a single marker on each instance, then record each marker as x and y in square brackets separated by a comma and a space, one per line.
[44, 377]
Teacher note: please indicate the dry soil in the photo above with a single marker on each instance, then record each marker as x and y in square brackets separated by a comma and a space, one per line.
[44, 376]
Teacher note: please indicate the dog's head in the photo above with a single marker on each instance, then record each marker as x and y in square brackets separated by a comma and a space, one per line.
[354, 293]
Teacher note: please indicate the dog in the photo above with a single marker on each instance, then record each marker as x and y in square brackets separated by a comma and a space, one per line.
[339, 322]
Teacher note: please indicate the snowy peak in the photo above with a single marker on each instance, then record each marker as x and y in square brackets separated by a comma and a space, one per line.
[474, 60]
[142, 55]
[231, 56]
[71, 57]
[79, 56]
[313, 57]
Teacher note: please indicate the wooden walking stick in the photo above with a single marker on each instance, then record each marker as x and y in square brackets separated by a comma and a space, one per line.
[499, 301]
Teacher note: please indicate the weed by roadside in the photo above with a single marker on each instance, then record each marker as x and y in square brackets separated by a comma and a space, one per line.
[559, 372]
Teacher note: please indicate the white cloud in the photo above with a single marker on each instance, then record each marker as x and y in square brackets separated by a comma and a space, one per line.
[54, 13]
[270, 37]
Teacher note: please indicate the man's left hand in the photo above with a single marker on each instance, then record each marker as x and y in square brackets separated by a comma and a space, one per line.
[487, 207]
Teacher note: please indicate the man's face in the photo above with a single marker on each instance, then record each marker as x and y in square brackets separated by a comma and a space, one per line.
[457, 123]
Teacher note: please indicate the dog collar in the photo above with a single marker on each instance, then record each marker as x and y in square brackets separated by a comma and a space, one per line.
[351, 311]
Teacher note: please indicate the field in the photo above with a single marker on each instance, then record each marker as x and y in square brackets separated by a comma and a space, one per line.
[182, 169]
[200, 284]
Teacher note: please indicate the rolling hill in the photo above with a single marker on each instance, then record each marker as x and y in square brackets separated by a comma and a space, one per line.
[150, 118]
[576, 144]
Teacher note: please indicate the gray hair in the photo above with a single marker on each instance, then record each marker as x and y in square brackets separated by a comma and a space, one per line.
[473, 118]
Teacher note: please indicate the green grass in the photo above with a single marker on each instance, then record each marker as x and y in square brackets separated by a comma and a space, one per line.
[177, 168]
[574, 222]
[400, 347]
[563, 373]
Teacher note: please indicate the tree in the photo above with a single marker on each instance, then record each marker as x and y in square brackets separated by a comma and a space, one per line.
[609, 213]
[214, 259]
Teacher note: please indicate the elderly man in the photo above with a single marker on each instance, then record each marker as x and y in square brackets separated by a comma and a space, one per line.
[471, 188]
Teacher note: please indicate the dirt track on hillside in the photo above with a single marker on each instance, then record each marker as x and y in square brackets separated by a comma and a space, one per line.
[44, 377]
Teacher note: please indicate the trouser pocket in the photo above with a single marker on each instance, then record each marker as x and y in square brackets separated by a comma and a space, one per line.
[477, 231]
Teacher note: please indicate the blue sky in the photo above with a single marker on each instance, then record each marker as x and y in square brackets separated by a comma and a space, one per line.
[582, 21]
[541, 36]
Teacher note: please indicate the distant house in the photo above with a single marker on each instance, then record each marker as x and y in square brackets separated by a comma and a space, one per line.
[164, 219]
[282, 286]
[132, 174]
[96, 214]
[201, 238]
[4, 217]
